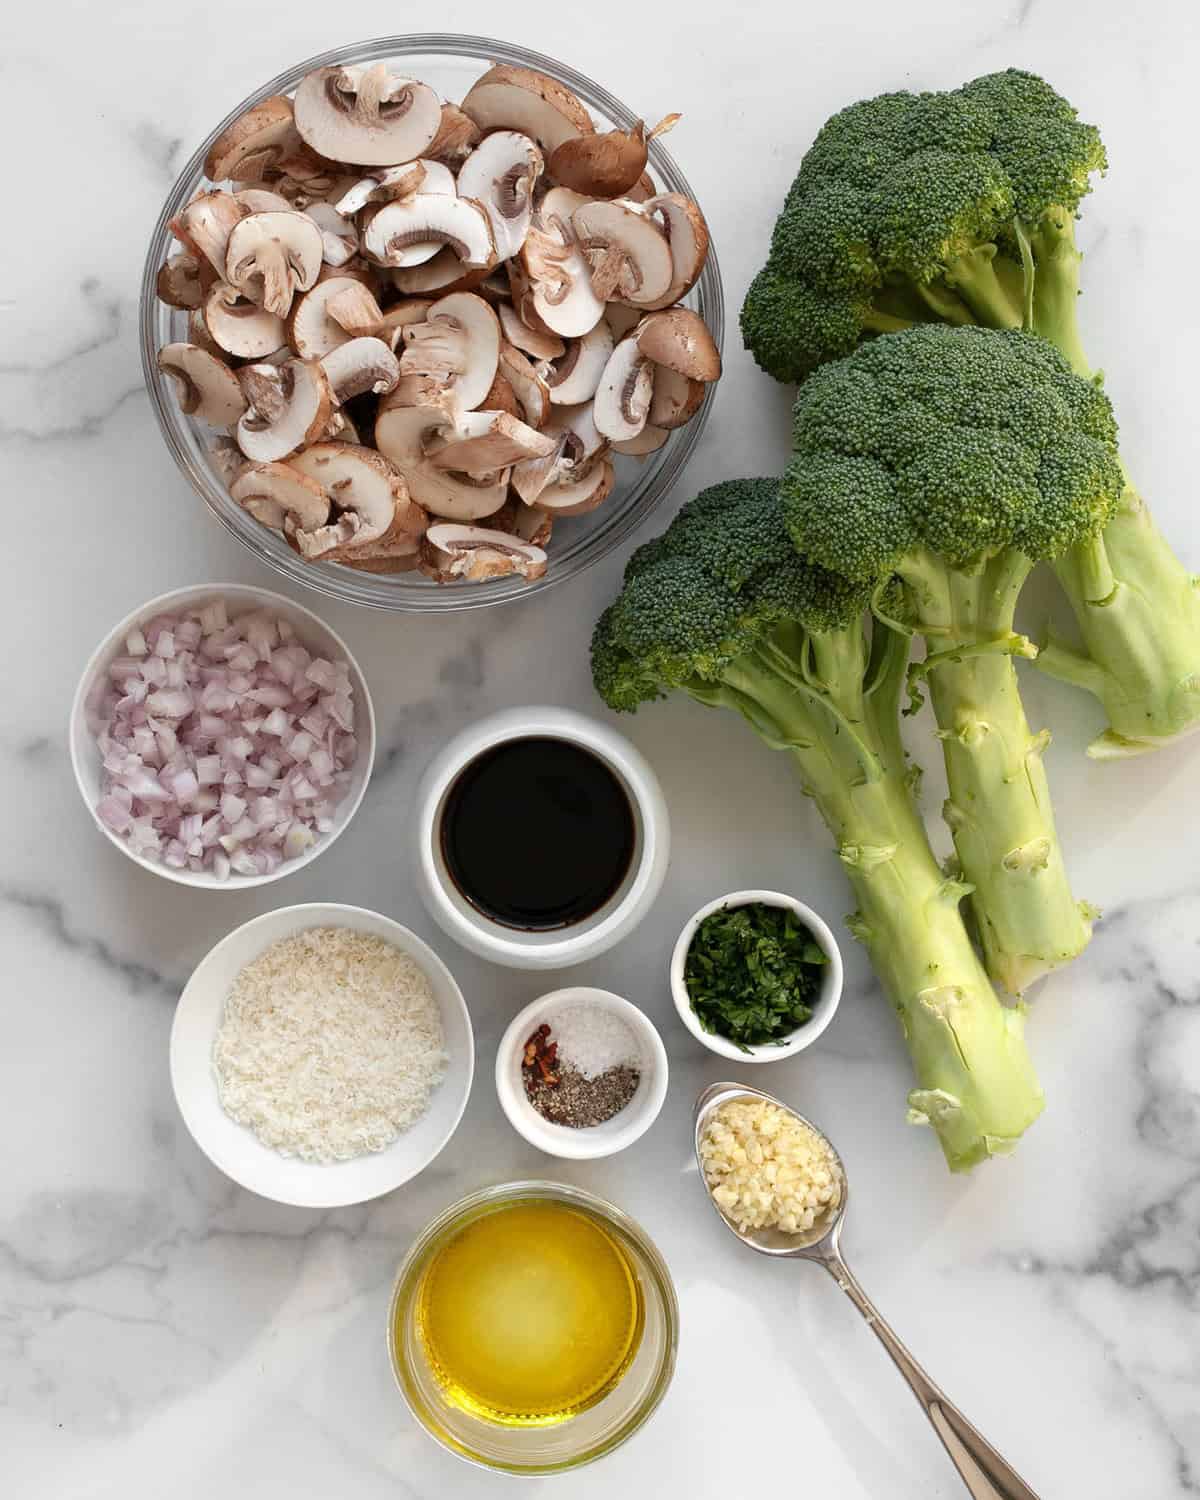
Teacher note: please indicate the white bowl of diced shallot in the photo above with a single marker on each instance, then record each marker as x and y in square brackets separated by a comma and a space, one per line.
[222, 736]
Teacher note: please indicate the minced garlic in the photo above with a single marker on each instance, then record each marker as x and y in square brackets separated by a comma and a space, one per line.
[768, 1170]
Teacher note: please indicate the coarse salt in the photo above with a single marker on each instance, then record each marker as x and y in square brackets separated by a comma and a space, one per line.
[593, 1040]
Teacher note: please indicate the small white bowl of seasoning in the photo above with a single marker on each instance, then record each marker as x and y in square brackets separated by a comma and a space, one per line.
[596, 1075]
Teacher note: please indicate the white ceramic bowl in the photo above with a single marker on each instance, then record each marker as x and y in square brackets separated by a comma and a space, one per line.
[826, 1002]
[585, 1143]
[236, 1149]
[559, 947]
[240, 599]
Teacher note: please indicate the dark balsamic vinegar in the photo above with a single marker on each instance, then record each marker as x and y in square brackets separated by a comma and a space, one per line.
[537, 833]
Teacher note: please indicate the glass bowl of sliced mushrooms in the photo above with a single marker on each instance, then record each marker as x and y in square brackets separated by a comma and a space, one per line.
[431, 322]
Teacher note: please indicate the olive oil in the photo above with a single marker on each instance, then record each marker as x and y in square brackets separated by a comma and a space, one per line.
[530, 1314]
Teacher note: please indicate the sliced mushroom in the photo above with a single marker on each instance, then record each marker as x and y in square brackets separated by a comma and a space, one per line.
[584, 491]
[621, 319]
[679, 338]
[354, 308]
[627, 249]
[402, 563]
[510, 98]
[456, 135]
[312, 330]
[258, 200]
[240, 326]
[528, 385]
[359, 366]
[396, 186]
[272, 256]
[366, 115]
[528, 522]
[458, 344]
[403, 434]
[304, 405]
[576, 377]
[676, 398]
[205, 225]
[339, 238]
[276, 493]
[179, 282]
[500, 173]
[205, 388]
[483, 441]
[460, 224]
[496, 288]
[477, 553]
[607, 165]
[248, 150]
[521, 293]
[648, 441]
[501, 396]
[401, 316]
[197, 333]
[560, 203]
[623, 399]
[562, 293]
[369, 494]
[642, 190]
[227, 458]
[444, 273]
[687, 235]
[577, 443]
[340, 428]
[539, 342]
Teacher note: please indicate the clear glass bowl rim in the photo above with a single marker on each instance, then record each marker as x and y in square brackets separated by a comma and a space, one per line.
[401, 592]
[609, 1213]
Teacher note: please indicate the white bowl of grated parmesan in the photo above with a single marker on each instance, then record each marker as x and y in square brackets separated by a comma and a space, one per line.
[322, 1055]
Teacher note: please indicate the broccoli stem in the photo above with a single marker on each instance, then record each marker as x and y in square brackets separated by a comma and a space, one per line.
[1056, 287]
[999, 810]
[975, 1082]
[974, 275]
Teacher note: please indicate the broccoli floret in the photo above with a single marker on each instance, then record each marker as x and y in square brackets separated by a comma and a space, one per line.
[952, 459]
[722, 607]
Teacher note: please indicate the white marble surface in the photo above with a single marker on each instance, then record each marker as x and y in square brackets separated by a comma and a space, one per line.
[165, 1334]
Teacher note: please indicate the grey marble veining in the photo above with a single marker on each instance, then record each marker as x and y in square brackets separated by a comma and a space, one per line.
[163, 1333]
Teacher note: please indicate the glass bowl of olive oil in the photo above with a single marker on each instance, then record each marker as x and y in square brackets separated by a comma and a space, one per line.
[533, 1328]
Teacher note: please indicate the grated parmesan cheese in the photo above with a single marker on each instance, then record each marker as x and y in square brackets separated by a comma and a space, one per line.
[330, 1045]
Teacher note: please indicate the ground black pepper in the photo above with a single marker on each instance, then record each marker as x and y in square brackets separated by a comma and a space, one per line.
[578, 1101]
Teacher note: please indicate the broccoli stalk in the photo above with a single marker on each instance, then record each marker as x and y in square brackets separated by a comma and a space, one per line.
[959, 208]
[722, 609]
[950, 459]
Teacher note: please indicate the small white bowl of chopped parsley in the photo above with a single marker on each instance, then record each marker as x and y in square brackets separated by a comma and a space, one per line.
[756, 976]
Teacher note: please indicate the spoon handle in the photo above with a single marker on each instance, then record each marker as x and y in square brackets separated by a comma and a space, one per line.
[986, 1475]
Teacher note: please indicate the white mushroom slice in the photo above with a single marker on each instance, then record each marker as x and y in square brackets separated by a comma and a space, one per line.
[306, 404]
[648, 441]
[460, 224]
[563, 296]
[354, 308]
[339, 238]
[272, 256]
[541, 344]
[621, 319]
[627, 250]
[577, 442]
[679, 338]
[521, 295]
[366, 115]
[403, 433]
[476, 553]
[179, 282]
[500, 173]
[401, 316]
[205, 225]
[527, 384]
[458, 344]
[484, 441]
[359, 366]
[560, 203]
[576, 377]
[249, 149]
[369, 494]
[687, 235]
[240, 326]
[444, 273]
[312, 330]
[623, 398]
[435, 178]
[509, 98]
[385, 185]
[676, 398]
[457, 134]
[275, 493]
[256, 200]
[204, 387]
[584, 492]
[607, 165]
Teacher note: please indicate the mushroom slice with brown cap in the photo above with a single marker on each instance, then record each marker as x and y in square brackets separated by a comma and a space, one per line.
[296, 414]
[679, 338]
[539, 342]
[206, 388]
[366, 115]
[577, 442]
[501, 396]
[312, 330]
[257, 200]
[403, 434]
[500, 173]
[458, 344]
[676, 398]
[179, 282]
[584, 492]
[606, 165]
[401, 316]
[642, 190]
[621, 319]
[370, 497]
[354, 308]
[459, 224]
[687, 234]
[249, 148]
[359, 366]
[457, 134]
[563, 297]
[276, 493]
[240, 326]
[435, 179]
[401, 563]
[527, 522]
[271, 256]
[626, 249]
[484, 441]
[444, 273]
[576, 377]
[560, 203]
[384, 185]
[622, 401]
[205, 225]
[339, 237]
[648, 441]
[528, 385]
[476, 553]
[511, 98]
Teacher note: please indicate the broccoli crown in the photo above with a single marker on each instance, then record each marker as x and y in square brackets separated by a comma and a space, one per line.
[897, 188]
[721, 577]
[956, 441]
